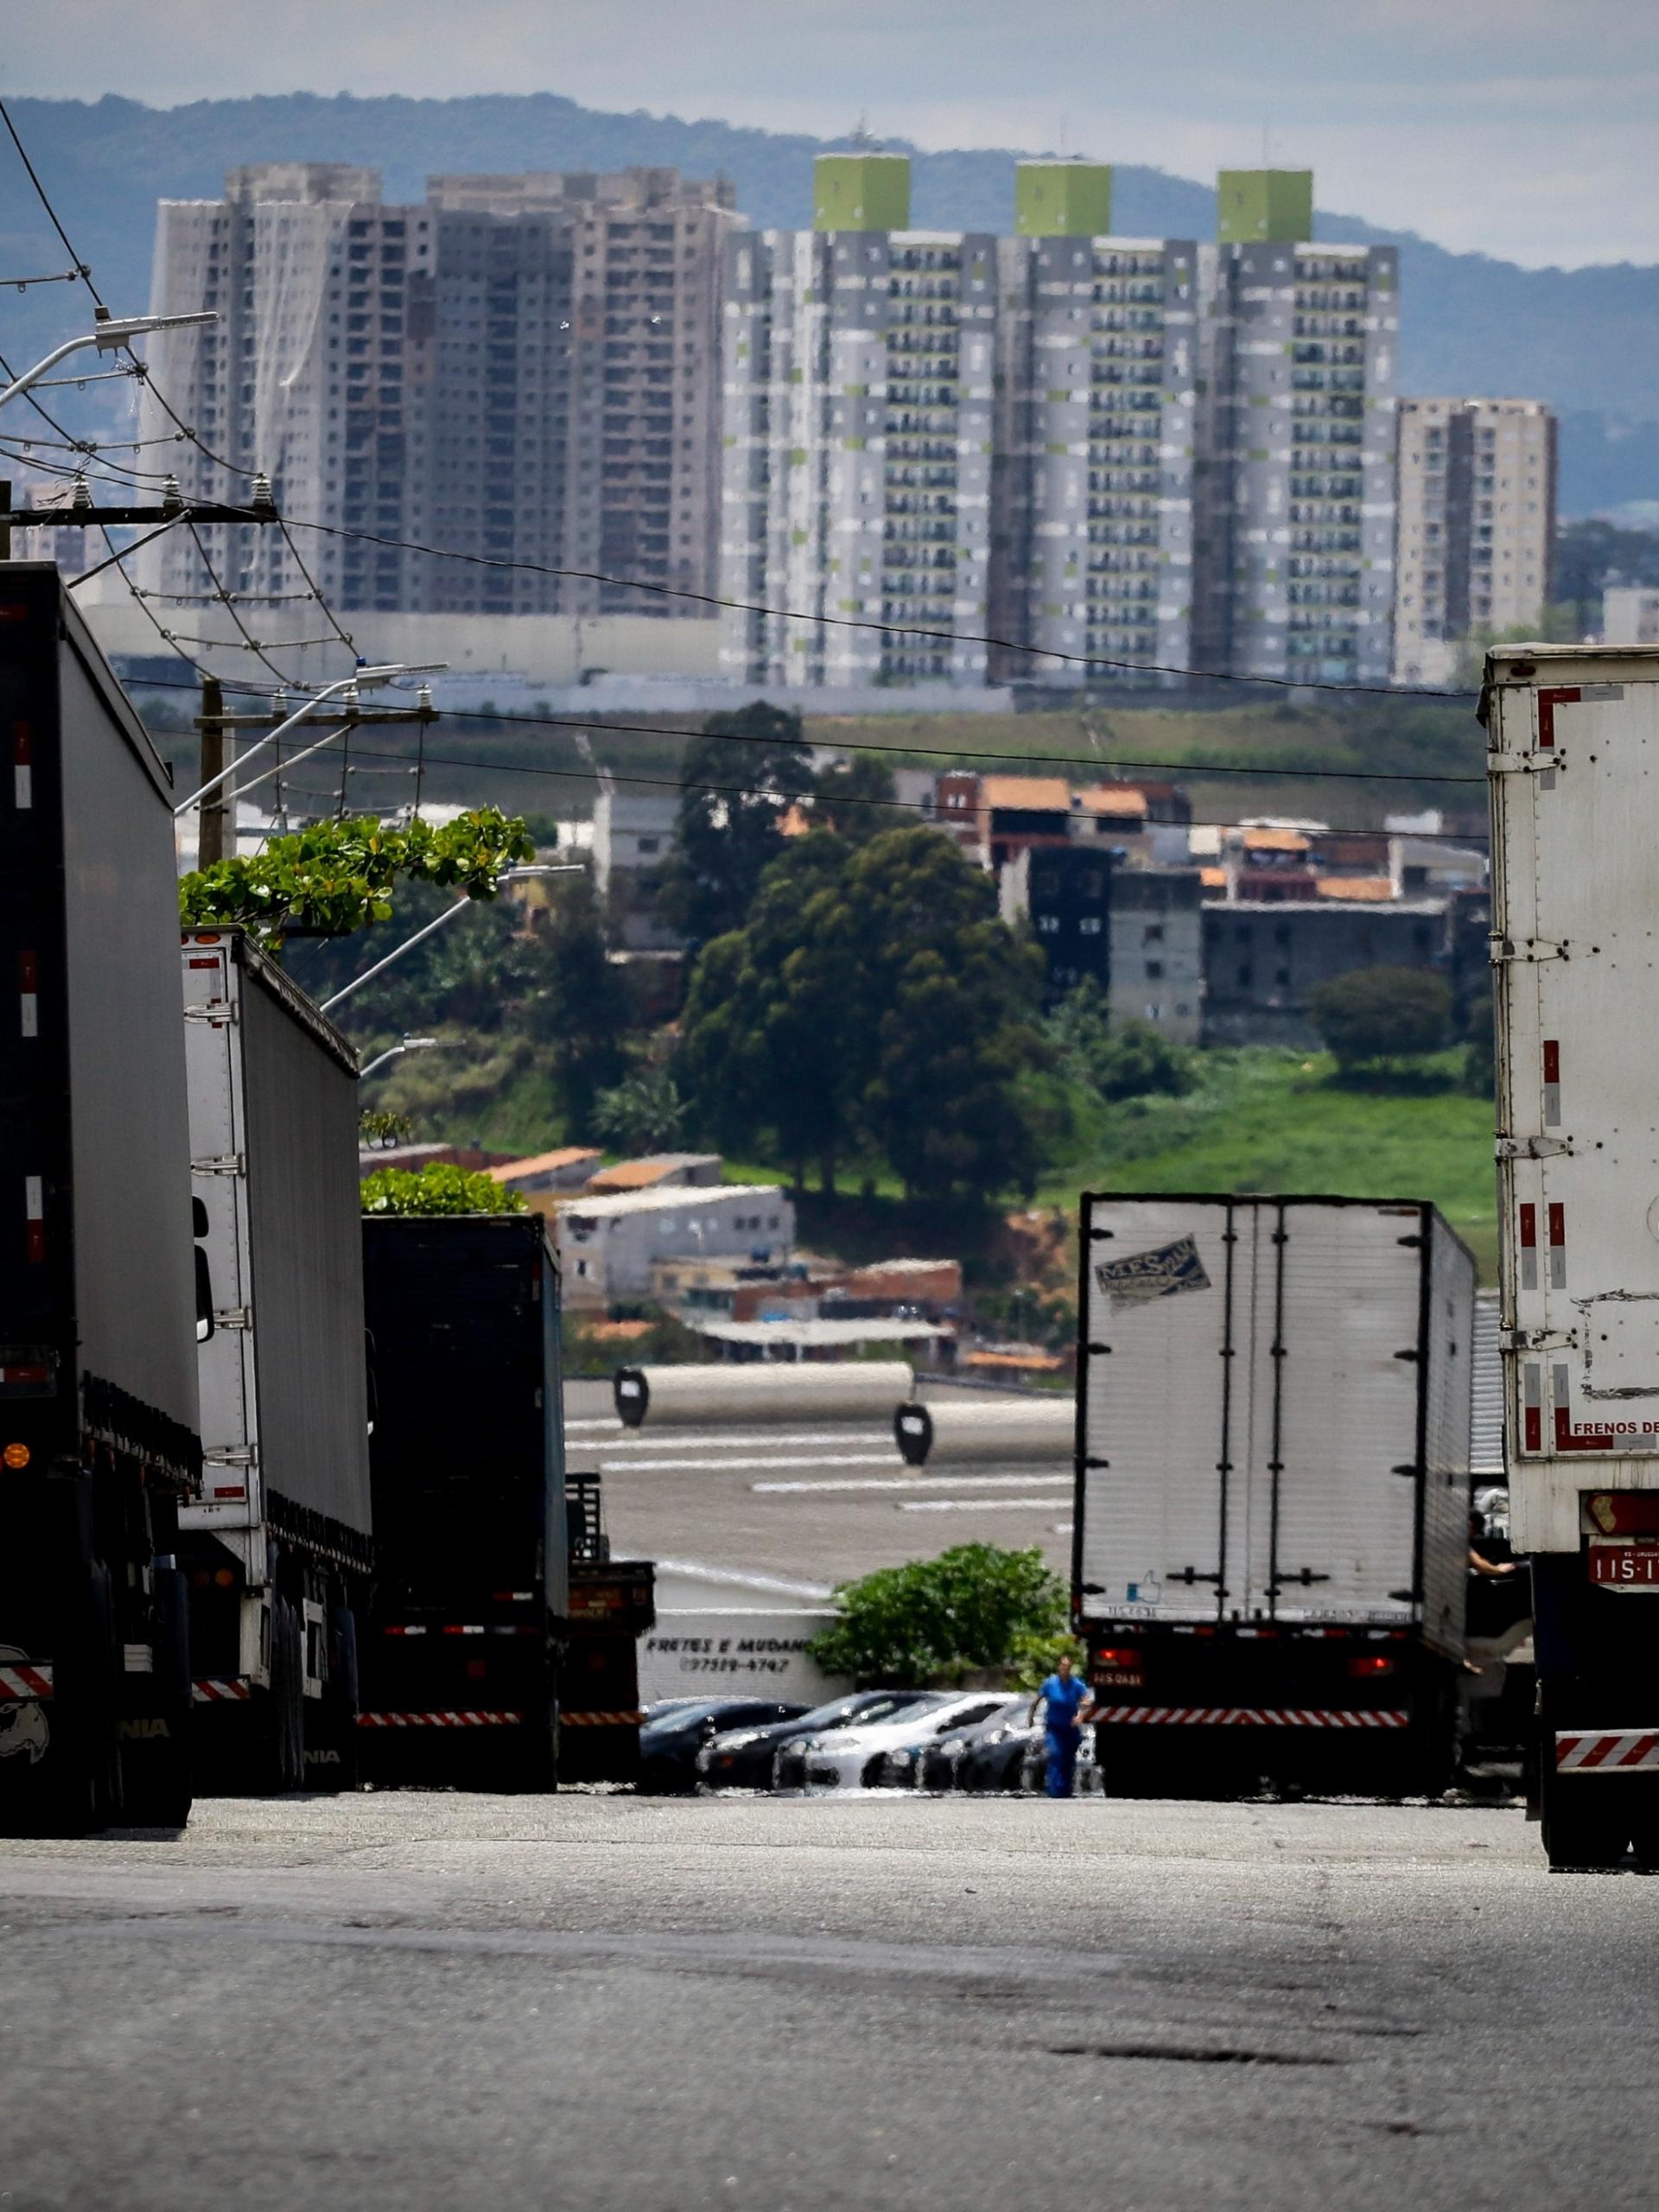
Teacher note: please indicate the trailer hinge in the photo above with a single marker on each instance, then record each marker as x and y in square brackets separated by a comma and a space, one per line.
[1531, 1147]
[1502, 949]
[1096, 1463]
[217, 1012]
[233, 1317]
[1538, 1339]
[1103, 1351]
[1411, 1467]
[1524, 763]
[229, 1455]
[229, 1163]
[1406, 1597]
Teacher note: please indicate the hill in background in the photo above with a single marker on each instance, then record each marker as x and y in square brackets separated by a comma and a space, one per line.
[1585, 339]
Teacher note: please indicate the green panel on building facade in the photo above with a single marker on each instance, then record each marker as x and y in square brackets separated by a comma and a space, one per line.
[1264, 206]
[1062, 200]
[860, 192]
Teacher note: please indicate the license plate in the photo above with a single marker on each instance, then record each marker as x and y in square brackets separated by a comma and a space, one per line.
[1625, 1567]
[1116, 1678]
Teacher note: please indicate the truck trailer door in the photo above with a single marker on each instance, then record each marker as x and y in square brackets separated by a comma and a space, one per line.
[1164, 1403]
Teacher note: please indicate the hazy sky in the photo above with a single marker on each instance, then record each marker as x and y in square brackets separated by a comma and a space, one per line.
[1523, 127]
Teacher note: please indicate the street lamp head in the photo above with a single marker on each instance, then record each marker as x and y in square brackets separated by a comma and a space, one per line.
[531, 874]
[383, 672]
[114, 331]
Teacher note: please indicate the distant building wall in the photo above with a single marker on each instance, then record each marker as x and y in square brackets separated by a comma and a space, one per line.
[1262, 962]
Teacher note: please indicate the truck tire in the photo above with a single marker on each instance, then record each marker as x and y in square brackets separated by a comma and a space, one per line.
[331, 1730]
[159, 1790]
[76, 1785]
[1586, 1822]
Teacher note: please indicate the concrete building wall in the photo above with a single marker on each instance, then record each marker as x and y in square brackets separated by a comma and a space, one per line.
[633, 837]
[1098, 356]
[1156, 924]
[520, 369]
[1477, 526]
[1629, 615]
[606, 1245]
[1297, 522]
[1262, 960]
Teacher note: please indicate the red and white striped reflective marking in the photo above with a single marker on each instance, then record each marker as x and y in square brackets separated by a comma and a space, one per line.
[1233, 1716]
[211, 1690]
[1552, 1083]
[1607, 1751]
[1528, 1248]
[602, 1720]
[23, 767]
[1557, 1247]
[29, 1000]
[439, 1720]
[35, 1218]
[24, 1681]
[1532, 1391]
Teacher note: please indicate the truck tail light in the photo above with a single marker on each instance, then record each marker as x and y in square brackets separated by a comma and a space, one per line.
[1117, 1655]
[1370, 1663]
[16, 1456]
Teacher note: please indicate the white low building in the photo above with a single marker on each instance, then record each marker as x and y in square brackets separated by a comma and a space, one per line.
[606, 1245]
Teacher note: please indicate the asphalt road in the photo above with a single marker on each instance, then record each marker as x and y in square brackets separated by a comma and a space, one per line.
[813, 1502]
[593, 2002]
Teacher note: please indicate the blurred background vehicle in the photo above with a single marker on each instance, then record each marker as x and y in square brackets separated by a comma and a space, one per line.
[901, 1765]
[789, 1761]
[858, 1758]
[669, 1742]
[992, 1751]
[742, 1758]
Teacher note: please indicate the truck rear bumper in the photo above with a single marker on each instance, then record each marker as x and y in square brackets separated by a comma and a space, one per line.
[1607, 1750]
[1206, 1716]
[439, 1719]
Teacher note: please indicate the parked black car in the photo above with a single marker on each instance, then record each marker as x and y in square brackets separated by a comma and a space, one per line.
[902, 1764]
[669, 1742]
[742, 1758]
[992, 1752]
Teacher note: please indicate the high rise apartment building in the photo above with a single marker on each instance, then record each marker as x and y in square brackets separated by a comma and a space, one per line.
[1477, 526]
[1295, 527]
[1092, 527]
[519, 369]
[858, 435]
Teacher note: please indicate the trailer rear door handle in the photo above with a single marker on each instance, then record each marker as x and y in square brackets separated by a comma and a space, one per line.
[1531, 1147]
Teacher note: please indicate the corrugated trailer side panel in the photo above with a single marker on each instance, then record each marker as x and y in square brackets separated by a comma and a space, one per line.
[134, 1291]
[1448, 1435]
[307, 1246]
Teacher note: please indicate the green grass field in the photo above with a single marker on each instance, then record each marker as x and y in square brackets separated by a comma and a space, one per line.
[1279, 1123]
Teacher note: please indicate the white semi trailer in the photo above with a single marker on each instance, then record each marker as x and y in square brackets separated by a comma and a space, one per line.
[1574, 772]
[1271, 1532]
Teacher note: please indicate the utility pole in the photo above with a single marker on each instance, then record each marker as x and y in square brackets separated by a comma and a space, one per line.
[5, 523]
[215, 743]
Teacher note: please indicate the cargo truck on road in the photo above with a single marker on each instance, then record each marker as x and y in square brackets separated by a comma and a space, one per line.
[1271, 1526]
[277, 1548]
[98, 1294]
[1574, 775]
[460, 1669]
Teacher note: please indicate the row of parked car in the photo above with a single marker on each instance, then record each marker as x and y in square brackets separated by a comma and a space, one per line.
[872, 1739]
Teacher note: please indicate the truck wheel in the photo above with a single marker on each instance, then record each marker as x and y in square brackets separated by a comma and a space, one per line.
[157, 1772]
[1586, 1824]
[79, 1786]
[331, 1755]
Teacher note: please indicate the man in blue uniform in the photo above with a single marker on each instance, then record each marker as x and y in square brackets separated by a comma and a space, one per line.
[1066, 1704]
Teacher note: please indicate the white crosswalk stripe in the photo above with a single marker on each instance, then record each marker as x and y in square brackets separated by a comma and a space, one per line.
[914, 1482]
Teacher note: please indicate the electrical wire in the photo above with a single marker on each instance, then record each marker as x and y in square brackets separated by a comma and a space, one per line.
[81, 269]
[953, 753]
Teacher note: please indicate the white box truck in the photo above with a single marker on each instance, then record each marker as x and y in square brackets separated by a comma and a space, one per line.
[1573, 775]
[277, 1548]
[1271, 1532]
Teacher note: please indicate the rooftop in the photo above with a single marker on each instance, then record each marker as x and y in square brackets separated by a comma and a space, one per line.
[1028, 794]
[644, 1174]
[1373, 888]
[680, 1195]
[542, 1163]
[1113, 798]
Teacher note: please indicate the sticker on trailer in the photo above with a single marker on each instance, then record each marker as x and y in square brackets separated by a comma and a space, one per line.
[1165, 1272]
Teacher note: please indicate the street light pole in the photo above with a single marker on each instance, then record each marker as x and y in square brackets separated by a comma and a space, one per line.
[396, 1052]
[110, 335]
[348, 684]
[511, 875]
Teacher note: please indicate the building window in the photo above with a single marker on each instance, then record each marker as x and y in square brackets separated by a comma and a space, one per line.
[1281, 976]
[1155, 971]
[1245, 977]
[650, 844]
[1153, 933]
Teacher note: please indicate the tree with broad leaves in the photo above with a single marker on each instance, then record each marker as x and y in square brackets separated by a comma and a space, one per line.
[975, 1606]
[338, 876]
[740, 777]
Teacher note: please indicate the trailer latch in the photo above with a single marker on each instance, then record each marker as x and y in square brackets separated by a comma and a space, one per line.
[232, 1317]
[1500, 949]
[1524, 763]
[1538, 1339]
[229, 1163]
[1531, 1147]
